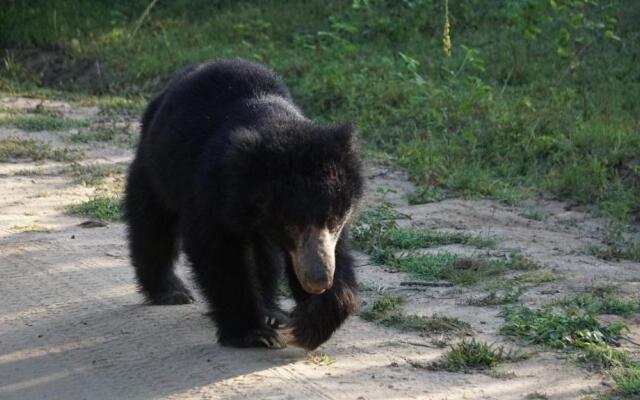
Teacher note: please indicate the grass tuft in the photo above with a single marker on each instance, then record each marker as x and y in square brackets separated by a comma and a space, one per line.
[512, 295]
[627, 381]
[92, 174]
[387, 312]
[98, 208]
[16, 148]
[470, 355]
[603, 304]
[42, 122]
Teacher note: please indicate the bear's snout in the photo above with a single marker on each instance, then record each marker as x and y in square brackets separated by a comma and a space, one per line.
[314, 262]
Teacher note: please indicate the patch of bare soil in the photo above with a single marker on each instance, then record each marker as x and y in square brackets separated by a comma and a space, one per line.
[73, 326]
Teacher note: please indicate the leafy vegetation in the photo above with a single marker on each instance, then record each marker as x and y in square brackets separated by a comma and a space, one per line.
[529, 95]
[320, 359]
[472, 354]
[561, 329]
[98, 208]
[573, 327]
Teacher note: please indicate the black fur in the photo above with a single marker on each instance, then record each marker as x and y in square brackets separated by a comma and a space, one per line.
[229, 164]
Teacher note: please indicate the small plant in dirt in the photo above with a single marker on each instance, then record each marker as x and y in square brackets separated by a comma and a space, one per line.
[16, 148]
[620, 244]
[92, 174]
[536, 214]
[387, 311]
[427, 194]
[320, 359]
[619, 251]
[496, 298]
[536, 396]
[98, 208]
[42, 122]
[470, 355]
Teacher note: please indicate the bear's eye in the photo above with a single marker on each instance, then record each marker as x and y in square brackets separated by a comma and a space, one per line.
[296, 235]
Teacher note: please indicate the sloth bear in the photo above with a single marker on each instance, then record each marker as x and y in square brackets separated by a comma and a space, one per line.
[228, 165]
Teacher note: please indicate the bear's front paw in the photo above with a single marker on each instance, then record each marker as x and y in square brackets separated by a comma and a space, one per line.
[277, 319]
[268, 338]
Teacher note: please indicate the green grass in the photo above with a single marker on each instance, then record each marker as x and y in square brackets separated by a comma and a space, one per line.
[98, 208]
[603, 304]
[536, 214]
[41, 122]
[113, 105]
[377, 232]
[92, 174]
[565, 328]
[453, 268]
[113, 135]
[470, 355]
[387, 311]
[427, 194]
[627, 250]
[14, 148]
[534, 96]
[627, 381]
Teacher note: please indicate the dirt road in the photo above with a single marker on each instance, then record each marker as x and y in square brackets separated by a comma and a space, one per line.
[73, 327]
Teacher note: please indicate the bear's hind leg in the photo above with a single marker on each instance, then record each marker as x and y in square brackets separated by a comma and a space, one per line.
[153, 243]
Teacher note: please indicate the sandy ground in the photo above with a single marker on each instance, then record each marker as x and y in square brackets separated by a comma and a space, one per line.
[73, 327]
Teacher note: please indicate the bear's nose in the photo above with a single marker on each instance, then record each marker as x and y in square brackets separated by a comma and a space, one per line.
[318, 286]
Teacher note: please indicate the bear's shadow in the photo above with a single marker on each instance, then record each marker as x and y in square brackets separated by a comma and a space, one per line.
[127, 351]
